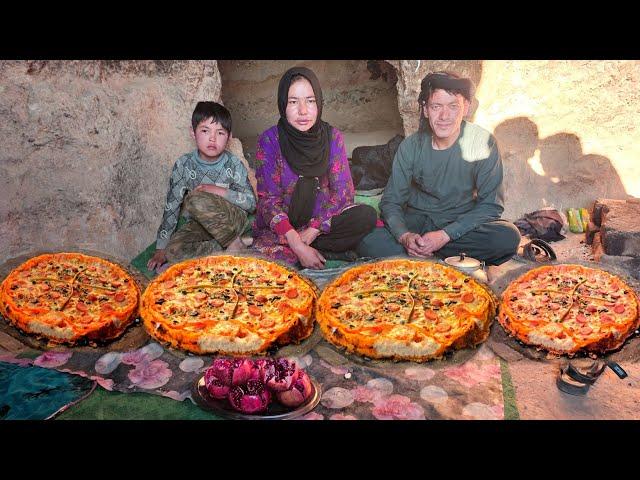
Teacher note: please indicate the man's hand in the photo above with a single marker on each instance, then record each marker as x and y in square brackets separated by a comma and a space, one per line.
[309, 257]
[159, 258]
[434, 241]
[211, 189]
[414, 245]
[309, 235]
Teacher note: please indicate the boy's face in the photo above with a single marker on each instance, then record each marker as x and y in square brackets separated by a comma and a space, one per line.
[211, 139]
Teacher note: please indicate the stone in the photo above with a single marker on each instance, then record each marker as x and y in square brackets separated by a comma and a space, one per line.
[620, 228]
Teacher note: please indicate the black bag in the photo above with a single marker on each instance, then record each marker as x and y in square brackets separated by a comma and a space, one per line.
[371, 166]
[543, 224]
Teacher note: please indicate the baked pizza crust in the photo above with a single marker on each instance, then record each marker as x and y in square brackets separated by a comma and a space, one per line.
[566, 309]
[70, 298]
[229, 304]
[414, 313]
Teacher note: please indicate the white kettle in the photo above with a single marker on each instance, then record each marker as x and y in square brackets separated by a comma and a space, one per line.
[468, 265]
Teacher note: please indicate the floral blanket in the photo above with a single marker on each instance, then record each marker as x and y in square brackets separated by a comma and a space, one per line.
[466, 385]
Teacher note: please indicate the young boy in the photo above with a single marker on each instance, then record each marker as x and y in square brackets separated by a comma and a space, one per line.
[219, 193]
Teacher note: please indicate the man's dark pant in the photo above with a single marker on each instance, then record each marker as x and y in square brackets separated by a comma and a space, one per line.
[494, 242]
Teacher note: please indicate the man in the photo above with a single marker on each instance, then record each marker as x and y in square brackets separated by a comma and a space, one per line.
[445, 193]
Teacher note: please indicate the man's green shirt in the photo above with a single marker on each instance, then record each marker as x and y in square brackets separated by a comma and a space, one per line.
[458, 188]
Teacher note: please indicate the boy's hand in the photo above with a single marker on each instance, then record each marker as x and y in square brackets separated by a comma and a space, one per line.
[159, 258]
[309, 235]
[211, 189]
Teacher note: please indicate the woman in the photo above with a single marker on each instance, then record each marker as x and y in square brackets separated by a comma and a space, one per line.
[305, 210]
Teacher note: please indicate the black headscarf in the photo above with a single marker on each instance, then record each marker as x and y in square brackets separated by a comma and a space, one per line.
[307, 153]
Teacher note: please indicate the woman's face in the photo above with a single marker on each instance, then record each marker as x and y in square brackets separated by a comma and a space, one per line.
[302, 109]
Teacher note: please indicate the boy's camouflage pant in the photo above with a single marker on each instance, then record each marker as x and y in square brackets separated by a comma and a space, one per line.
[214, 224]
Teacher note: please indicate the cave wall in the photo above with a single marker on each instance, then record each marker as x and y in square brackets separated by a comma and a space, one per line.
[87, 149]
[88, 146]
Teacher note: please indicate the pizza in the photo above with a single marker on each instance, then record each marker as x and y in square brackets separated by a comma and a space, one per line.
[70, 298]
[569, 308]
[405, 310]
[228, 304]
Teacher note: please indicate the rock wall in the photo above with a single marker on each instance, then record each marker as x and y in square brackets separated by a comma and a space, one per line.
[87, 146]
[87, 149]
[567, 130]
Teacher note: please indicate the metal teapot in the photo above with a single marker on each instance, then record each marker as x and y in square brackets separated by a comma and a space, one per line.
[468, 265]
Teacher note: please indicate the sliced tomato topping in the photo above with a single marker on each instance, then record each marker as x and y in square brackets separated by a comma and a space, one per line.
[438, 303]
[260, 298]
[105, 307]
[393, 307]
[377, 300]
[200, 296]
[217, 302]
[169, 284]
[267, 322]
[554, 306]
[281, 281]
[592, 308]
[119, 297]
[619, 308]
[253, 310]
[82, 307]
[345, 288]
[468, 297]
[430, 314]
[586, 330]
[443, 327]
[606, 318]
[55, 294]
[292, 293]
[581, 318]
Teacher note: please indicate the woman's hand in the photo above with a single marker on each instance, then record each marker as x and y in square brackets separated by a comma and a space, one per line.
[309, 257]
[309, 235]
[159, 258]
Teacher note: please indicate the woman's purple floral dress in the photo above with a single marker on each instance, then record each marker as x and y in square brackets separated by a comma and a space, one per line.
[276, 182]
